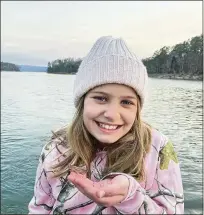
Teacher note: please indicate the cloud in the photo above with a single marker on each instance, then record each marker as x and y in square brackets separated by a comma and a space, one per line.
[51, 30]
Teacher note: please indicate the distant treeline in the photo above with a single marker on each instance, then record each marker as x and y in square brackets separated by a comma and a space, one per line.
[181, 59]
[9, 67]
[65, 66]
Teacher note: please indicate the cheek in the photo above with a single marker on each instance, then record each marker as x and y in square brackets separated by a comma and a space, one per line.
[86, 119]
[130, 117]
[86, 115]
[90, 110]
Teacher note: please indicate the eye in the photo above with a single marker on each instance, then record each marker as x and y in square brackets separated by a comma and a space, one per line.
[127, 102]
[100, 98]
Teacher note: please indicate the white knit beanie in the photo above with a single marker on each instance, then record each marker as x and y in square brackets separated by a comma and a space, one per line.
[110, 61]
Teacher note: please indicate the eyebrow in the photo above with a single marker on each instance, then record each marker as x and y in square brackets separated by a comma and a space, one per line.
[107, 94]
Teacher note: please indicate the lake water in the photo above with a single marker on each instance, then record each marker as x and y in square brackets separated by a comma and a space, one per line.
[33, 104]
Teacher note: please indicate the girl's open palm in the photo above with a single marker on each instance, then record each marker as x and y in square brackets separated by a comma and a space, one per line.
[107, 192]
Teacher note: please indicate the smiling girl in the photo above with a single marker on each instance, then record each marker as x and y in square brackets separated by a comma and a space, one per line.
[108, 161]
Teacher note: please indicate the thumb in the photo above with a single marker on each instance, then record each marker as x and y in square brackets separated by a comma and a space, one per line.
[100, 193]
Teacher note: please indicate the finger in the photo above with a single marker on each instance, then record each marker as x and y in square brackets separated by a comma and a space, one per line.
[83, 182]
[72, 176]
[77, 178]
[89, 191]
[85, 185]
[113, 190]
[100, 193]
[76, 174]
[110, 201]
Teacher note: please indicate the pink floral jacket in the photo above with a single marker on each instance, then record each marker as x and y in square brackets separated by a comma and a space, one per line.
[160, 193]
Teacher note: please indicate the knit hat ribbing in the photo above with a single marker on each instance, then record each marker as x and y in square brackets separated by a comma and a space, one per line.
[110, 61]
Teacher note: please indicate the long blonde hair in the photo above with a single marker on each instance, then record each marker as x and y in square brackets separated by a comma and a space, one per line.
[125, 155]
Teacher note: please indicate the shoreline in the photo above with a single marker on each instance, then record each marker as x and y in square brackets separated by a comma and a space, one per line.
[157, 76]
[161, 76]
[177, 77]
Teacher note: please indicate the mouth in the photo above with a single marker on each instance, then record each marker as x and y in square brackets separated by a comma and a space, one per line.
[108, 127]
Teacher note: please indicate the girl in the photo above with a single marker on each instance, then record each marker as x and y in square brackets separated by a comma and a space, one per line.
[109, 161]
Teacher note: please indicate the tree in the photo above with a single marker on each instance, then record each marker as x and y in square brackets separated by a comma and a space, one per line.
[5, 66]
[64, 66]
[183, 58]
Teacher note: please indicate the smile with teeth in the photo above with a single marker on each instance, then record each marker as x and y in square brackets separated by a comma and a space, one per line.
[108, 127]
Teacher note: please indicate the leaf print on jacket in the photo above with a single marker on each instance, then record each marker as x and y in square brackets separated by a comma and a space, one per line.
[166, 155]
[66, 190]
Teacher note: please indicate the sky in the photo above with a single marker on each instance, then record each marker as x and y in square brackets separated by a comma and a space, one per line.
[35, 32]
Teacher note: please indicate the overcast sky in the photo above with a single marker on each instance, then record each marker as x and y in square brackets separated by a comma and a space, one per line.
[37, 32]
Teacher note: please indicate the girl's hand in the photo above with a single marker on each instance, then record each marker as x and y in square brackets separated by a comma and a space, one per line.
[107, 192]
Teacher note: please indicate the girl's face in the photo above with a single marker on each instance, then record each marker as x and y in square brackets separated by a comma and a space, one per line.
[109, 112]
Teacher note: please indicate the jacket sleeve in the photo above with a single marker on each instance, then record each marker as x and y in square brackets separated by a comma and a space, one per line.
[42, 201]
[166, 193]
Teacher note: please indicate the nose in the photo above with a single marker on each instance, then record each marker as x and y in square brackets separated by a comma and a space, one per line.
[112, 112]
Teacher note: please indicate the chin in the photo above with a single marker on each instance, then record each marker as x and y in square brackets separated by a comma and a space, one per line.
[107, 141]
